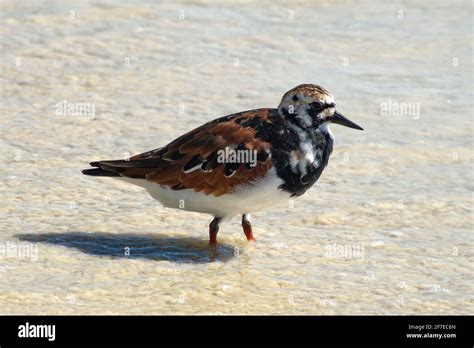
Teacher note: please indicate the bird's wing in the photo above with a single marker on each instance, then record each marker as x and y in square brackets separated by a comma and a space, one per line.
[198, 160]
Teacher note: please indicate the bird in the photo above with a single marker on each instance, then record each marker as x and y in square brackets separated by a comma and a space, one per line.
[241, 163]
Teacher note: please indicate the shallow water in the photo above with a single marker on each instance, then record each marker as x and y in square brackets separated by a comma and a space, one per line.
[387, 229]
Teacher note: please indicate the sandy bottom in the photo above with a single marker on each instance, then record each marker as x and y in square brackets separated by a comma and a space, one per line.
[387, 229]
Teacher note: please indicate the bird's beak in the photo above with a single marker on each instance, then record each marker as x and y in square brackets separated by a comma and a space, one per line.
[343, 121]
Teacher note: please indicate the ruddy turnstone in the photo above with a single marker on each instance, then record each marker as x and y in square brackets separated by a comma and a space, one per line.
[240, 163]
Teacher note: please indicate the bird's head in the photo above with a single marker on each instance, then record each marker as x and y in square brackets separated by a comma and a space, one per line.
[312, 106]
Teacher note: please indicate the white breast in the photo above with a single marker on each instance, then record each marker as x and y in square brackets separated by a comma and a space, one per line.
[310, 156]
[260, 195]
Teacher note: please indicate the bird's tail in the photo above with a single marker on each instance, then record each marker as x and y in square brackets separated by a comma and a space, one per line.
[101, 170]
[120, 168]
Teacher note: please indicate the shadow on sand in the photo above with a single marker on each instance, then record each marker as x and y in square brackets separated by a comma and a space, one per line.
[149, 246]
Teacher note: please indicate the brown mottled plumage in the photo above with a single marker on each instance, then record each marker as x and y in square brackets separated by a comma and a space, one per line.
[165, 165]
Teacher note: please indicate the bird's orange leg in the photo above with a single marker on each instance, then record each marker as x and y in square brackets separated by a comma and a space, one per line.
[213, 229]
[247, 228]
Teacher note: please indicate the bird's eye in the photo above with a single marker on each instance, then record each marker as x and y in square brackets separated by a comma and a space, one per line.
[317, 105]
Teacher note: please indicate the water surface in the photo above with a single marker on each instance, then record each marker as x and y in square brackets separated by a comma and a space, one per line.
[387, 229]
